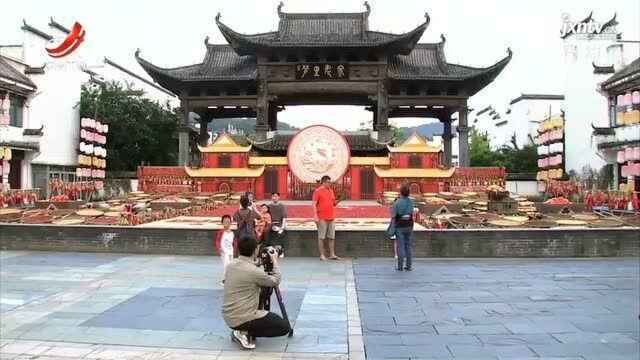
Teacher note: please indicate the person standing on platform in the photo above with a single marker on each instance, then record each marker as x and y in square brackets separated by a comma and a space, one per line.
[278, 211]
[324, 211]
[226, 243]
[402, 212]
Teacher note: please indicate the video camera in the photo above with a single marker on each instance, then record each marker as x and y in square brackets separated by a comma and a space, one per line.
[265, 253]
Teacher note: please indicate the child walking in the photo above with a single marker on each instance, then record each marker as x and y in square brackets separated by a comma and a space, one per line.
[225, 243]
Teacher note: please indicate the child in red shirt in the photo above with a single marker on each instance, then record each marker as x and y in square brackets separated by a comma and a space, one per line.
[264, 223]
[225, 243]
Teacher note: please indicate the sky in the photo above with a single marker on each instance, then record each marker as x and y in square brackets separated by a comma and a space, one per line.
[478, 33]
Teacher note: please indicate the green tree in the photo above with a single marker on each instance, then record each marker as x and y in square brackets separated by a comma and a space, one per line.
[515, 159]
[140, 130]
[480, 153]
[396, 132]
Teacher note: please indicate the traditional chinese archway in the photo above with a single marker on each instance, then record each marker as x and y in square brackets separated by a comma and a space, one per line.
[325, 58]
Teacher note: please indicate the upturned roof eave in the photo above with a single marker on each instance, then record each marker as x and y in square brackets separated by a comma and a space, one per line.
[249, 45]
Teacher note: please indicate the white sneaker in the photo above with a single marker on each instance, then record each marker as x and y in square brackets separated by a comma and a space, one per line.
[240, 338]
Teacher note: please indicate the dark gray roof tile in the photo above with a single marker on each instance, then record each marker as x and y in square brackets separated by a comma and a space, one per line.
[9, 72]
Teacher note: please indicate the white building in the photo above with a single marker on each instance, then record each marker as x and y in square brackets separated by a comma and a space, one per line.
[51, 103]
[518, 118]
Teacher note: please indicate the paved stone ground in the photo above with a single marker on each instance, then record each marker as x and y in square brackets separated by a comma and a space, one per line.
[118, 306]
[500, 309]
[105, 306]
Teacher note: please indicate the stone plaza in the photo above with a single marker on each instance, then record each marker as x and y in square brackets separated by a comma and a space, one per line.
[119, 306]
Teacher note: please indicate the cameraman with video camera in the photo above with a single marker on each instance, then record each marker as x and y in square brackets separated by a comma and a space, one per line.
[244, 282]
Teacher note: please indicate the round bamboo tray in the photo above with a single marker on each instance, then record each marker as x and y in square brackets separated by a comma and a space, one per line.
[570, 222]
[37, 219]
[7, 218]
[465, 220]
[8, 211]
[113, 214]
[540, 224]
[62, 212]
[631, 220]
[504, 223]
[520, 219]
[103, 221]
[69, 221]
[89, 212]
[487, 216]
[604, 223]
[585, 217]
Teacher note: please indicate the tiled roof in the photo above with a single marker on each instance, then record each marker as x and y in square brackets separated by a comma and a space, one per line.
[626, 74]
[536, 97]
[9, 72]
[358, 141]
[322, 30]
[220, 63]
[427, 62]
[606, 69]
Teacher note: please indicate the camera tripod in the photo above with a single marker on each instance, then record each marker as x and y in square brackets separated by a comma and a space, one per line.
[265, 302]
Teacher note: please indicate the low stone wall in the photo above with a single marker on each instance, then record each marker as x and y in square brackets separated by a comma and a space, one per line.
[430, 243]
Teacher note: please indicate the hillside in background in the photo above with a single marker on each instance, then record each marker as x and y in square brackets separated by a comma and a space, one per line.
[428, 130]
[245, 124]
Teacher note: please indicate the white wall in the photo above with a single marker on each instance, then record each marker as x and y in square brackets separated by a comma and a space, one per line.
[583, 104]
[523, 187]
[526, 114]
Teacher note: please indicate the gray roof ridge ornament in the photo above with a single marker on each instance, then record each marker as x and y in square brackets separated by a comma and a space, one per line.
[427, 17]
[206, 40]
[367, 6]
[218, 18]
[280, 13]
[442, 38]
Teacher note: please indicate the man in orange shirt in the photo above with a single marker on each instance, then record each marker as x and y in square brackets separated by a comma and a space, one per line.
[324, 211]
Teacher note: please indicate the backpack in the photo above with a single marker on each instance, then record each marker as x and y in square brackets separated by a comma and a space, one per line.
[245, 225]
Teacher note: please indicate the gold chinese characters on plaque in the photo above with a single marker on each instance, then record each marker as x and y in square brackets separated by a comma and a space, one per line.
[322, 71]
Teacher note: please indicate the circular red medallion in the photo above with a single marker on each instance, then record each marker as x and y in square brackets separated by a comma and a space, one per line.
[316, 151]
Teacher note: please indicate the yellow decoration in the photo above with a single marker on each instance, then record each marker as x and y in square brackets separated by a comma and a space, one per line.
[620, 118]
[633, 117]
[7, 154]
[378, 160]
[224, 144]
[415, 144]
[414, 173]
[268, 160]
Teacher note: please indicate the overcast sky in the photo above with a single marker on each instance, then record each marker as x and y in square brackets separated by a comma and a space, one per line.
[478, 32]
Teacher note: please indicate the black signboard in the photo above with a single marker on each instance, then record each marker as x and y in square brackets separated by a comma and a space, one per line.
[322, 71]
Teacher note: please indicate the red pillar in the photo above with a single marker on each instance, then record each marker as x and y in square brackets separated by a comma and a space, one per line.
[283, 172]
[355, 183]
[259, 189]
[235, 161]
[378, 187]
[403, 162]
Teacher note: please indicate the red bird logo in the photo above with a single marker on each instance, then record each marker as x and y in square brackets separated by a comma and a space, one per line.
[59, 48]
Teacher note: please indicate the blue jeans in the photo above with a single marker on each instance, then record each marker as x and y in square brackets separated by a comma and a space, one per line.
[403, 238]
